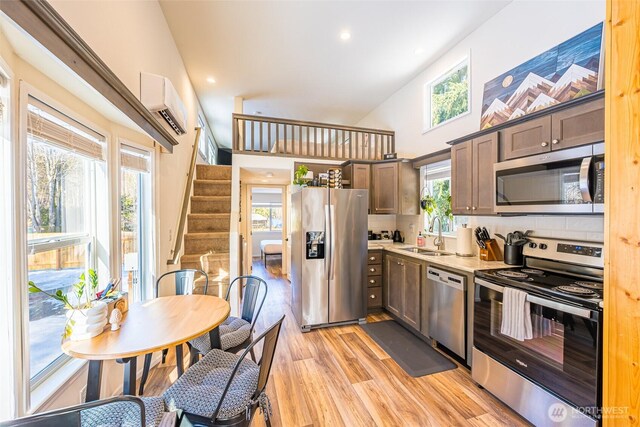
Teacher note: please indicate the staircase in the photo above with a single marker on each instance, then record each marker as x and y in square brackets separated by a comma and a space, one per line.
[206, 242]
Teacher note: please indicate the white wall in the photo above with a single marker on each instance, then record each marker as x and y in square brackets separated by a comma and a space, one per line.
[517, 33]
[131, 37]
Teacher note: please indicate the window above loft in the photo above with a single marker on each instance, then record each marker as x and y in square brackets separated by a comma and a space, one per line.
[447, 97]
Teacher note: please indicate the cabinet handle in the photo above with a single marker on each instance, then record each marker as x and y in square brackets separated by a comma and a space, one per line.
[372, 296]
[544, 144]
[372, 281]
[468, 208]
[555, 141]
[474, 208]
[372, 258]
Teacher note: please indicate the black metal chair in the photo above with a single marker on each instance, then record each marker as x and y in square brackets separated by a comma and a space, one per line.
[123, 410]
[199, 397]
[184, 284]
[236, 333]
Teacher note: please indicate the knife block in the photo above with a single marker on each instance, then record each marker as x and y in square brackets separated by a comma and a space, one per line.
[492, 252]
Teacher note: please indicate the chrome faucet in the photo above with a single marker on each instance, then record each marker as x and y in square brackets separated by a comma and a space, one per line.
[438, 242]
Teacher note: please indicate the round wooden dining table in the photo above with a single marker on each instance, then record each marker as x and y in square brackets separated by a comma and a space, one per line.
[147, 327]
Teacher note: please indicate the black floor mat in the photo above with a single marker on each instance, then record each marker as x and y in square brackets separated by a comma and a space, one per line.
[415, 356]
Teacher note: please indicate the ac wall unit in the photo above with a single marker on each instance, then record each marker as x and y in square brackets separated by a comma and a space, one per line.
[159, 96]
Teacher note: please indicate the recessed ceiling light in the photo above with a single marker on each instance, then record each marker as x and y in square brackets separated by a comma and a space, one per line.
[263, 180]
[345, 35]
[269, 174]
[418, 51]
[211, 80]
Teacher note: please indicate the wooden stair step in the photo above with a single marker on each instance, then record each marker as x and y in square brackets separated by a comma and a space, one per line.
[210, 204]
[195, 243]
[213, 172]
[217, 187]
[208, 222]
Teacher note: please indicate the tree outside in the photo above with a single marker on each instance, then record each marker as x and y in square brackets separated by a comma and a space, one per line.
[450, 96]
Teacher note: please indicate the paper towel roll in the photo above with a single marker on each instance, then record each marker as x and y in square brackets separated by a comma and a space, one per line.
[464, 242]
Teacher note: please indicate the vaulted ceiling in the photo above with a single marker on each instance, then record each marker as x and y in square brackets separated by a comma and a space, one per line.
[288, 59]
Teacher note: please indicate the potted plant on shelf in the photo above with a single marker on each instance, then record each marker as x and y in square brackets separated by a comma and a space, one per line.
[300, 176]
[86, 316]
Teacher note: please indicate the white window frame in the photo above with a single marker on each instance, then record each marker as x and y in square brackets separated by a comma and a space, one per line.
[270, 205]
[425, 218]
[10, 312]
[102, 228]
[428, 92]
[150, 226]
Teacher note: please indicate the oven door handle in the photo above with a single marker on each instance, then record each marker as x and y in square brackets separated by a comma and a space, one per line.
[577, 311]
[585, 189]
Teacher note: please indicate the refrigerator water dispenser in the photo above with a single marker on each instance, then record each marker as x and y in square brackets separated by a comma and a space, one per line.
[315, 244]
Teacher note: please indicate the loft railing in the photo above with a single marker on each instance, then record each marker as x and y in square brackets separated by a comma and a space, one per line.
[270, 136]
[186, 197]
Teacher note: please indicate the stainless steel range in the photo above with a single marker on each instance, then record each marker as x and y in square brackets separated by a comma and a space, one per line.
[553, 378]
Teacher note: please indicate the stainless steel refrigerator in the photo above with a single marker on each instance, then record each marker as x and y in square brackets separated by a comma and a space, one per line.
[328, 256]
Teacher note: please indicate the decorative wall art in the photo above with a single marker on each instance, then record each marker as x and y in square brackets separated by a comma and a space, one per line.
[565, 72]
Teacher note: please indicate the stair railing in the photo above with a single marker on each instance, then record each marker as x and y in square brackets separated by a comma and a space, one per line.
[177, 247]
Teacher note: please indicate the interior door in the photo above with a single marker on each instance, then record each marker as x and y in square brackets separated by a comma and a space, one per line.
[348, 254]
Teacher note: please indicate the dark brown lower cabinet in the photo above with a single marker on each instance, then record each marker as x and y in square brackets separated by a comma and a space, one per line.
[402, 283]
[392, 284]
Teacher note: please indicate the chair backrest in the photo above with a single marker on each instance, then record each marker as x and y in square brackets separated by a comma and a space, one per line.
[253, 286]
[106, 410]
[270, 338]
[184, 280]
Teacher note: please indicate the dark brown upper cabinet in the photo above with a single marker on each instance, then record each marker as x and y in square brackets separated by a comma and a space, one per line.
[395, 188]
[526, 139]
[579, 125]
[472, 175]
[485, 154]
[462, 178]
[583, 124]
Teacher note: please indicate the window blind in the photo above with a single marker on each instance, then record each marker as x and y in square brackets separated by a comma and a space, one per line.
[46, 124]
[134, 159]
[438, 170]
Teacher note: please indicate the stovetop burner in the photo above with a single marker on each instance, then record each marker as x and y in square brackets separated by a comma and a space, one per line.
[574, 290]
[589, 285]
[532, 271]
[512, 274]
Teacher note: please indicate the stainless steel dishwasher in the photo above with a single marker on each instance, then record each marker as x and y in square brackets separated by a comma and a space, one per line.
[447, 309]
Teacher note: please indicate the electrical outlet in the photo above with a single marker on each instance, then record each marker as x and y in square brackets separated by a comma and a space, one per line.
[83, 394]
[412, 228]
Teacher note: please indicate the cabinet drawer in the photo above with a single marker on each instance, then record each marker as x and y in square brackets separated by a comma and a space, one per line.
[373, 281]
[374, 270]
[374, 297]
[374, 257]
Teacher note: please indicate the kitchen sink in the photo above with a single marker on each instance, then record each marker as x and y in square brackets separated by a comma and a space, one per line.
[427, 252]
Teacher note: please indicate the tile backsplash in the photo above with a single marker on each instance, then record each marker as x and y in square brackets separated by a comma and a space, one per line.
[583, 227]
[377, 223]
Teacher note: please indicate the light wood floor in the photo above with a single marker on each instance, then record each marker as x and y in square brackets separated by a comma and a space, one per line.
[341, 377]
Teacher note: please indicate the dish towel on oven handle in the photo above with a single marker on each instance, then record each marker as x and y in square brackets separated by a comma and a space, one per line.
[516, 315]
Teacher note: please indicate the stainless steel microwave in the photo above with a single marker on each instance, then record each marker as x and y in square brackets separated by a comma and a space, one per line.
[567, 181]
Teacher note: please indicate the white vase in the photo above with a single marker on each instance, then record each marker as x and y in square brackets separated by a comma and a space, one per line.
[88, 322]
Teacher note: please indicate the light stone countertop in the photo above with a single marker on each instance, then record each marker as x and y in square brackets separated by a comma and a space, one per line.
[468, 264]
